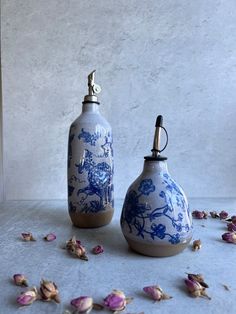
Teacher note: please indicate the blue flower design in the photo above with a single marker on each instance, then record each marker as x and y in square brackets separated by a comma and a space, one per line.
[72, 208]
[70, 190]
[158, 230]
[100, 176]
[175, 239]
[146, 187]
[133, 208]
[88, 137]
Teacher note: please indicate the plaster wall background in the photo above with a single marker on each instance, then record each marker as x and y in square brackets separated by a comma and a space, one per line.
[171, 57]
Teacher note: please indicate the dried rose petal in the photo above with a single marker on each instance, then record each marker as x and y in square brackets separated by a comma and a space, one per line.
[116, 301]
[199, 278]
[82, 304]
[50, 237]
[156, 293]
[223, 214]
[214, 214]
[197, 244]
[20, 280]
[27, 236]
[231, 227]
[229, 237]
[199, 214]
[98, 249]
[28, 297]
[49, 291]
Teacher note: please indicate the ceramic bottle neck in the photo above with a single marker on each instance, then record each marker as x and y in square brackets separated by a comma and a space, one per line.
[90, 107]
[155, 166]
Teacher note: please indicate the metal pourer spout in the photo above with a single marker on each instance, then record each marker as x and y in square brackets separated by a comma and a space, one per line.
[157, 141]
[93, 89]
[157, 137]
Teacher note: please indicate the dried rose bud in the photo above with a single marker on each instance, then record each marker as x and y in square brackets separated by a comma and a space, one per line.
[199, 278]
[27, 236]
[231, 227]
[229, 237]
[98, 249]
[116, 301]
[50, 237]
[156, 293]
[74, 247]
[49, 291]
[197, 244]
[233, 219]
[195, 288]
[20, 280]
[223, 214]
[199, 214]
[214, 214]
[28, 297]
[82, 304]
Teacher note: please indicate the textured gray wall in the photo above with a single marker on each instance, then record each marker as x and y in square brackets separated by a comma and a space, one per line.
[174, 57]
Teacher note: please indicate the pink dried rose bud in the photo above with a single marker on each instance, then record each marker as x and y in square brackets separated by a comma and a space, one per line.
[197, 244]
[50, 237]
[199, 214]
[49, 291]
[74, 247]
[214, 214]
[199, 278]
[231, 227]
[27, 236]
[223, 214]
[98, 249]
[233, 219]
[28, 297]
[82, 304]
[195, 288]
[229, 237]
[20, 280]
[116, 301]
[156, 293]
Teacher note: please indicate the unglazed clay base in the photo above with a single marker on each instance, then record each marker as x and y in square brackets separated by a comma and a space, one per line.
[91, 220]
[157, 250]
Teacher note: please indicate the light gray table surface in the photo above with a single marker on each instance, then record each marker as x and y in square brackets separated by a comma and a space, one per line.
[118, 267]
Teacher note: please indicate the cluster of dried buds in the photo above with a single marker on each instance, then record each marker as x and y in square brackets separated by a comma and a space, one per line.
[197, 244]
[222, 215]
[198, 214]
[27, 236]
[47, 292]
[196, 285]
[116, 302]
[156, 293]
[75, 248]
[230, 236]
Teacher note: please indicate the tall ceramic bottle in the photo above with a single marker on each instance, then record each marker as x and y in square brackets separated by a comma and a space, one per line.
[155, 219]
[90, 164]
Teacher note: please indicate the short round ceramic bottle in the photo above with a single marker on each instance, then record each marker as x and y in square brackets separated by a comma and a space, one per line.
[155, 218]
[90, 165]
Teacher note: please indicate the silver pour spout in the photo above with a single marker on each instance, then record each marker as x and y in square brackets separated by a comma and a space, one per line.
[157, 137]
[93, 89]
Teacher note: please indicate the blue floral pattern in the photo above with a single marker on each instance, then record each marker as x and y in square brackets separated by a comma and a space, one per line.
[90, 188]
[148, 223]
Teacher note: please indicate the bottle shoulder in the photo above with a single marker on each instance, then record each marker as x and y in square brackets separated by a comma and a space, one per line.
[91, 121]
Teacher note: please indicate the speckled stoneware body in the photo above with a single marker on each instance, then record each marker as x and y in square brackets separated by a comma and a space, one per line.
[155, 219]
[90, 169]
